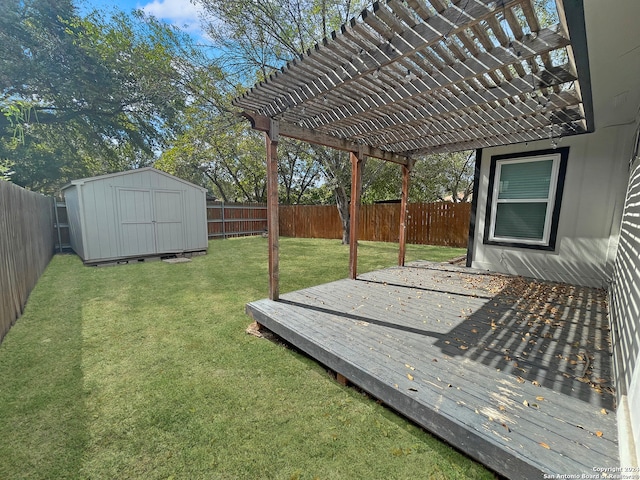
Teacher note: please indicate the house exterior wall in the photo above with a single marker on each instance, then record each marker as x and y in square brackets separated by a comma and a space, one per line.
[625, 310]
[106, 205]
[590, 213]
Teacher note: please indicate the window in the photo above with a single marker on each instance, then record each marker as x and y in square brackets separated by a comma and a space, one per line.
[525, 193]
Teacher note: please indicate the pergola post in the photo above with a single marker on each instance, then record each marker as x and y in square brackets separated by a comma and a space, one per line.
[404, 199]
[273, 229]
[357, 160]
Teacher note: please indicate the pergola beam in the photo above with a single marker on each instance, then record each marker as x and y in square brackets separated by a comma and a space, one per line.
[262, 123]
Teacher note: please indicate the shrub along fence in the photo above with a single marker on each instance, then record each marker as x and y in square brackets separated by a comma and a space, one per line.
[439, 223]
[26, 247]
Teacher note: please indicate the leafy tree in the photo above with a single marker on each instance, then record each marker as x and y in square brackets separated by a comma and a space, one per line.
[258, 36]
[221, 152]
[298, 170]
[216, 148]
[229, 161]
[84, 96]
[439, 177]
[443, 177]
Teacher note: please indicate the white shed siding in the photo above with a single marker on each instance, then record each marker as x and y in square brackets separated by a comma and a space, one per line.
[99, 228]
[590, 213]
[170, 213]
[134, 212]
[75, 224]
[139, 212]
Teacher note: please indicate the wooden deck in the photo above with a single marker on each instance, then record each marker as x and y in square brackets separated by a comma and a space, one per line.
[514, 372]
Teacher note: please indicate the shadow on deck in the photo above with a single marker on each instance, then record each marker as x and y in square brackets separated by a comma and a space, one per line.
[516, 373]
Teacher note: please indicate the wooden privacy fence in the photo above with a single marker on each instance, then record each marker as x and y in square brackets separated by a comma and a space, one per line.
[440, 223]
[226, 220]
[26, 247]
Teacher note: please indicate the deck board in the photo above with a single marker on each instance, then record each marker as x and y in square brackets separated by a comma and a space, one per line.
[500, 367]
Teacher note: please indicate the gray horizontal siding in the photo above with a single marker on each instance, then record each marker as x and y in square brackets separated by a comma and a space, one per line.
[625, 293]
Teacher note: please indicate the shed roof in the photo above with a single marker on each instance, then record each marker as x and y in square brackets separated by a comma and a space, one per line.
[81, 181]
[410, 77]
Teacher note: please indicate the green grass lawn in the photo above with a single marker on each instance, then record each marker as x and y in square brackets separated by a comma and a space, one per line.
[144, 371]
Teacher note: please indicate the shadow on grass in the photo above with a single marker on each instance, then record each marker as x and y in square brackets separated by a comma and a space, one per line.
[42, 399]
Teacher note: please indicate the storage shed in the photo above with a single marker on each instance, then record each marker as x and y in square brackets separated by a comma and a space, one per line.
[137, 213]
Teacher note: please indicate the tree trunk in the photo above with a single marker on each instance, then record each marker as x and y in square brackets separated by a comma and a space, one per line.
[215, 181]
[342, 202]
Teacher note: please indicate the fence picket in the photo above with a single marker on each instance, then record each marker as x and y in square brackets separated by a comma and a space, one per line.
[440, 223]
[225, 220]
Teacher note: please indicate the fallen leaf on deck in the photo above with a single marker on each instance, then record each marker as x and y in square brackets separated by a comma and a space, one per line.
[520, 380]
[537, 384]
[540, 399]
[598, 433]
[502, 408]
[505, 426]
[409, 366]
[410, 377]
[525, 403]
[463, 347]
[544, 445]
[603, 412]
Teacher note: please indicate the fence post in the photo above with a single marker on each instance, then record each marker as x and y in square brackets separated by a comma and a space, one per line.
[224, 231]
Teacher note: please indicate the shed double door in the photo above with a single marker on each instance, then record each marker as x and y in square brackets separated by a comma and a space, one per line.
[150, 221]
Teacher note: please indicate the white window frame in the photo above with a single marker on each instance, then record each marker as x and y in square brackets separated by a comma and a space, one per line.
[550, 199]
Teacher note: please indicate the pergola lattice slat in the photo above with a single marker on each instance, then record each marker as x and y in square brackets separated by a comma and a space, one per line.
[437, 83]
[405, 70]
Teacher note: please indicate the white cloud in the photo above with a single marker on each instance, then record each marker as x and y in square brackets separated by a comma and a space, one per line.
[181, 13]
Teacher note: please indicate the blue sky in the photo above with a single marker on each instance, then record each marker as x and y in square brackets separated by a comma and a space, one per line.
[181, 13]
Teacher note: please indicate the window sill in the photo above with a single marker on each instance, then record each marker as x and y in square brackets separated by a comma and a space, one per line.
[516, 244]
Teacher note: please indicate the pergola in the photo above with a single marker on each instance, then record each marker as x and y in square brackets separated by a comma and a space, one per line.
[414, 77]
